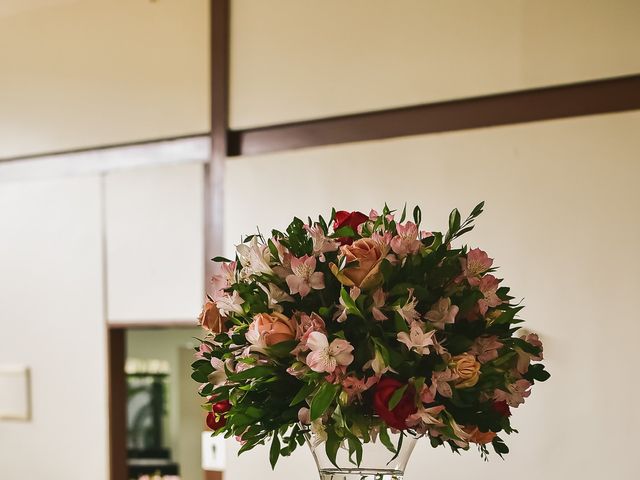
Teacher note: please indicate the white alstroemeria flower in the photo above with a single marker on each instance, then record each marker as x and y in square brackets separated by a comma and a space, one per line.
[441, 313]
[230, 304]
[463, 437]
[378, 365]
[417, 339]
[408, 310]
[319, 433]
[321, 243]
[426, 416]
[275, 296]
[254, 258]
[219, 374]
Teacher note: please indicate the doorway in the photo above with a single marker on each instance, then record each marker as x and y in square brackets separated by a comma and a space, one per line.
[156, 422]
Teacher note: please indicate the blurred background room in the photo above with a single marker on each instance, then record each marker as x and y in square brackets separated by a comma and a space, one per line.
[141, 138]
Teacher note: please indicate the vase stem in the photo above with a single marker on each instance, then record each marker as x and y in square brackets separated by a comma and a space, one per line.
[360, 474]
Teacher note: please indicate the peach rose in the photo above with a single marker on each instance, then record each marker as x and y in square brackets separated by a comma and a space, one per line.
[365, 273]
[211, 319]
[270, 328]
[467, 368]
[476, 436]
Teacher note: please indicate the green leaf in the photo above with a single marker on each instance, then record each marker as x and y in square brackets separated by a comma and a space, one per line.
[397, 448]
[454, 221]
[355, 447]
[507, 316]
[274, 451]
[282, 349]
[477, 210]
[396, 397]
[322, 399]
[345, 231]
[499, 446]
[386, 441]
[350, 305]
[537, 372]
[220, 259]
[303, 393]
[255, 372]
[200, 376]
[417, 215]
[332, 446]
[404, 213]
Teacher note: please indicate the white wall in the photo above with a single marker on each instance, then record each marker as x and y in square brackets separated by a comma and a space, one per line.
[295, 60]
[93, 72]
[155, 243]
[561, 222]
[51, 319]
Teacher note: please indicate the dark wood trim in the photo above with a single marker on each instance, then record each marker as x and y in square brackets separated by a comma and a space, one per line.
[155, 325]
[99, 148]
[117, 404]
[212, 475]
[588, 98]
[214, 170]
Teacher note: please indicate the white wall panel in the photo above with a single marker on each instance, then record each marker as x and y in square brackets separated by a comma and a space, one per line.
[51, 320]
[89, 73]
[294, 60]
[561, 222]
[155, 250]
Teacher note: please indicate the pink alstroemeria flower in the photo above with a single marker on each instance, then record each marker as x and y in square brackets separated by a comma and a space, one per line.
[516, 393]
[325, 356]
[202, 349]
[486, 348]
[304, 276]
[442, 312]
[378, 298]
[355, 386]
[476, 263]
[378, 365]
[408, 310]
[406, 241]
[524, 358]
[307, 324]
[440, 382]
[341, 313]
[424, 417]
[321, 243]
[488, 286]
[225, 277]
[416, 339]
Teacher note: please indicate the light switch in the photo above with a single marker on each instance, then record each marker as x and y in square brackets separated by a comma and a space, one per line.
[214, 453]
[15, 392]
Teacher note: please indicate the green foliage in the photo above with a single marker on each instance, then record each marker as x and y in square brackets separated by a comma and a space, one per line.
[268, 384]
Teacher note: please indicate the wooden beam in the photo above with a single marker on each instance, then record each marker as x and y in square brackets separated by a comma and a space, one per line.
[117, 405]
[588, 98]
[214, 170]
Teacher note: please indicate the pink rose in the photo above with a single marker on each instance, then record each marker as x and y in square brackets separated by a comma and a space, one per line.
[366, 255]
[269, 329]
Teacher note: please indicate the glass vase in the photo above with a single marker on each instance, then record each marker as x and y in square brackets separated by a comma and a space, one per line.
[378, 463]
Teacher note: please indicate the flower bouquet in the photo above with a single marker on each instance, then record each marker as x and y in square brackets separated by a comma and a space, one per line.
[363, 330]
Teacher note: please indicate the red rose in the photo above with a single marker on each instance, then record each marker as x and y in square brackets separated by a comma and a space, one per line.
[216, 418]
[502, 408]
[348, 219]
[396, 418]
